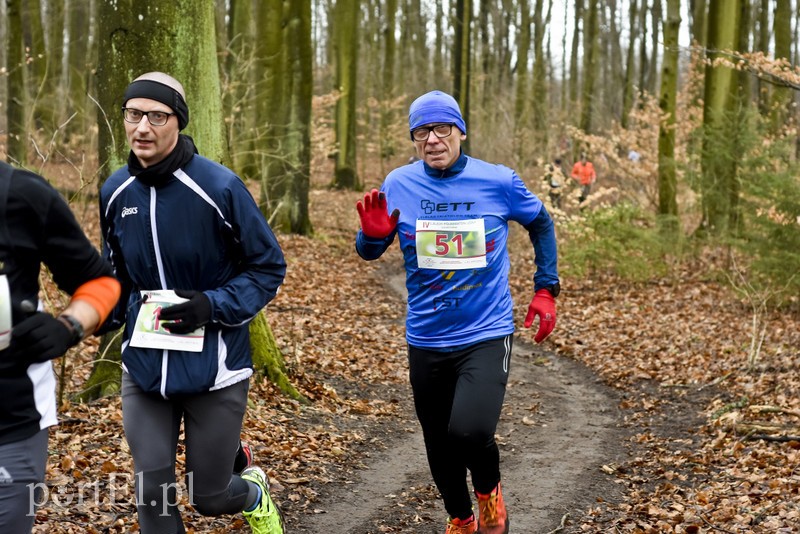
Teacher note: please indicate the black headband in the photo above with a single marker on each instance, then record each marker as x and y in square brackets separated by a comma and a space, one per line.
[160, 93]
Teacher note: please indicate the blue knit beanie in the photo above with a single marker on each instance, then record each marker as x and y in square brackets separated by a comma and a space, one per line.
[435, 106]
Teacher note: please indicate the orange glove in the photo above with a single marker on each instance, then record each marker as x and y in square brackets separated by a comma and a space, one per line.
[543, 305]
[375, 222]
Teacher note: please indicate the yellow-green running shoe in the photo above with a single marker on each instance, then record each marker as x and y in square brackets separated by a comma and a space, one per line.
[267, 517]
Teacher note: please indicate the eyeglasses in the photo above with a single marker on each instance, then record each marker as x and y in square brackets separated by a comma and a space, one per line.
[155, 118]
[439, 130]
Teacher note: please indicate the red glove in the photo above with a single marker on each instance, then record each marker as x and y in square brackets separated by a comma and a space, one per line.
[375, 222]
[543, 305]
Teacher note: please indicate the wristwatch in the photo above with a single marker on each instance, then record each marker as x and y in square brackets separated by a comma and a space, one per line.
[74, 326]
[554, 289]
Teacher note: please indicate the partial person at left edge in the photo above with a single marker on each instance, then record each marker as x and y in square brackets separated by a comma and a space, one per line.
[37, 227]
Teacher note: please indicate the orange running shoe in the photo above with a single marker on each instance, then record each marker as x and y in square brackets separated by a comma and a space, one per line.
[492, 518]
[462, 526]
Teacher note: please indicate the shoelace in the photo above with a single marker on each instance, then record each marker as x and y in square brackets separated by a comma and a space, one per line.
[452, 528]
[488, 510]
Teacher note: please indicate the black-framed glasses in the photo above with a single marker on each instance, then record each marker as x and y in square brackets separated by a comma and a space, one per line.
[155, 118]
[439, 130]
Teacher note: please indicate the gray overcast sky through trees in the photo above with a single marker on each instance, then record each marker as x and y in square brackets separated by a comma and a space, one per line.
[556, 26]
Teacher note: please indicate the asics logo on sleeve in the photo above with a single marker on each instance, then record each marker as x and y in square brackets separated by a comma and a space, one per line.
[129, 211]
[429, 207]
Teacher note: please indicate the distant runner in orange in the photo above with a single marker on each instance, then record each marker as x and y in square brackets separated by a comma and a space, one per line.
[583, 171]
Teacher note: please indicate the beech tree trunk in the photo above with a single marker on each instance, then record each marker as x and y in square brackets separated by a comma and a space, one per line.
[345, 30]
[719, 174]
[667, 178]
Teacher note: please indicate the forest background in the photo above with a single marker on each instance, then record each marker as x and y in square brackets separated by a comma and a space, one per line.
[687, 109]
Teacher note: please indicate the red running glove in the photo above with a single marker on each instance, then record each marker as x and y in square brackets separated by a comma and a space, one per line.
[375, 222]
[543, 305]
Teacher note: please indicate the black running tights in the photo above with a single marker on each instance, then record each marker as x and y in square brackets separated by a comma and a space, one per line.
[458, 396]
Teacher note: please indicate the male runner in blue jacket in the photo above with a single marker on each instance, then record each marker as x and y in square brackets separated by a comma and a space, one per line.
[450, 213]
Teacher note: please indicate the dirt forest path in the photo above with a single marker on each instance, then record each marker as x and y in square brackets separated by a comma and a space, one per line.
[559, 426]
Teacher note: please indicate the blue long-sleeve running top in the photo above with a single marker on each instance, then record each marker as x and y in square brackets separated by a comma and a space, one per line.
[453, 232]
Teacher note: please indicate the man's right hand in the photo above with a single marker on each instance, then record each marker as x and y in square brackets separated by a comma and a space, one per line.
[375, 221]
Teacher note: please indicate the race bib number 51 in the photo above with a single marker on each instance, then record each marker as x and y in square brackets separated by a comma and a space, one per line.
[451, 244]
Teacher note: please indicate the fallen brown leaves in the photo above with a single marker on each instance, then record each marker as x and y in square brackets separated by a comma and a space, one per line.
[676, 348]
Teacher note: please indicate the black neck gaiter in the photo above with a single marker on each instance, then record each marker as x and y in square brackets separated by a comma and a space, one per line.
[161, 172]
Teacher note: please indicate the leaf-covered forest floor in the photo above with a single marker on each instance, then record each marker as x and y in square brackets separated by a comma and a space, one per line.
[690, 429]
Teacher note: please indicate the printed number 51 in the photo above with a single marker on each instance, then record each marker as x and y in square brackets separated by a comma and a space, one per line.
[443, 244]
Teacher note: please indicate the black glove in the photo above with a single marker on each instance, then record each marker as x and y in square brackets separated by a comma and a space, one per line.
[39, 338]
[187, 316]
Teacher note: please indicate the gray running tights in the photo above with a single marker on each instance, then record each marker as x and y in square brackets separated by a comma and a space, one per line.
[212, 424]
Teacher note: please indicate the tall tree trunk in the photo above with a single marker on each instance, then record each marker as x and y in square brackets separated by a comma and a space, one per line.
[763, 87]
[53, 84]
[590, 63]
[548, 56]
[37, 68]
[346, 17]
[699, 28]
[405, 53]
[614, 69]
[422, 60]
[368, 118]
[78, 70]
[539, 95]
[17, 101]
[291, 214]
[462, 54]
[388, 89]
[700, 22]
[738, 104]
[652, 75]
[414, 66]
[627, 88]
[505, 16]
[439, 48]
[564, 77]
[718, 171]
[643, 60]
[239, 100]
[782, 96]
[796, 37]
[522, 100]
[485, 75]
[667, 179]
[270, 104]
[574, 81]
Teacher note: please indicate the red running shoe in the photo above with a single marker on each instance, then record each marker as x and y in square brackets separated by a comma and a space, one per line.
[492, 518]
[462, 526]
